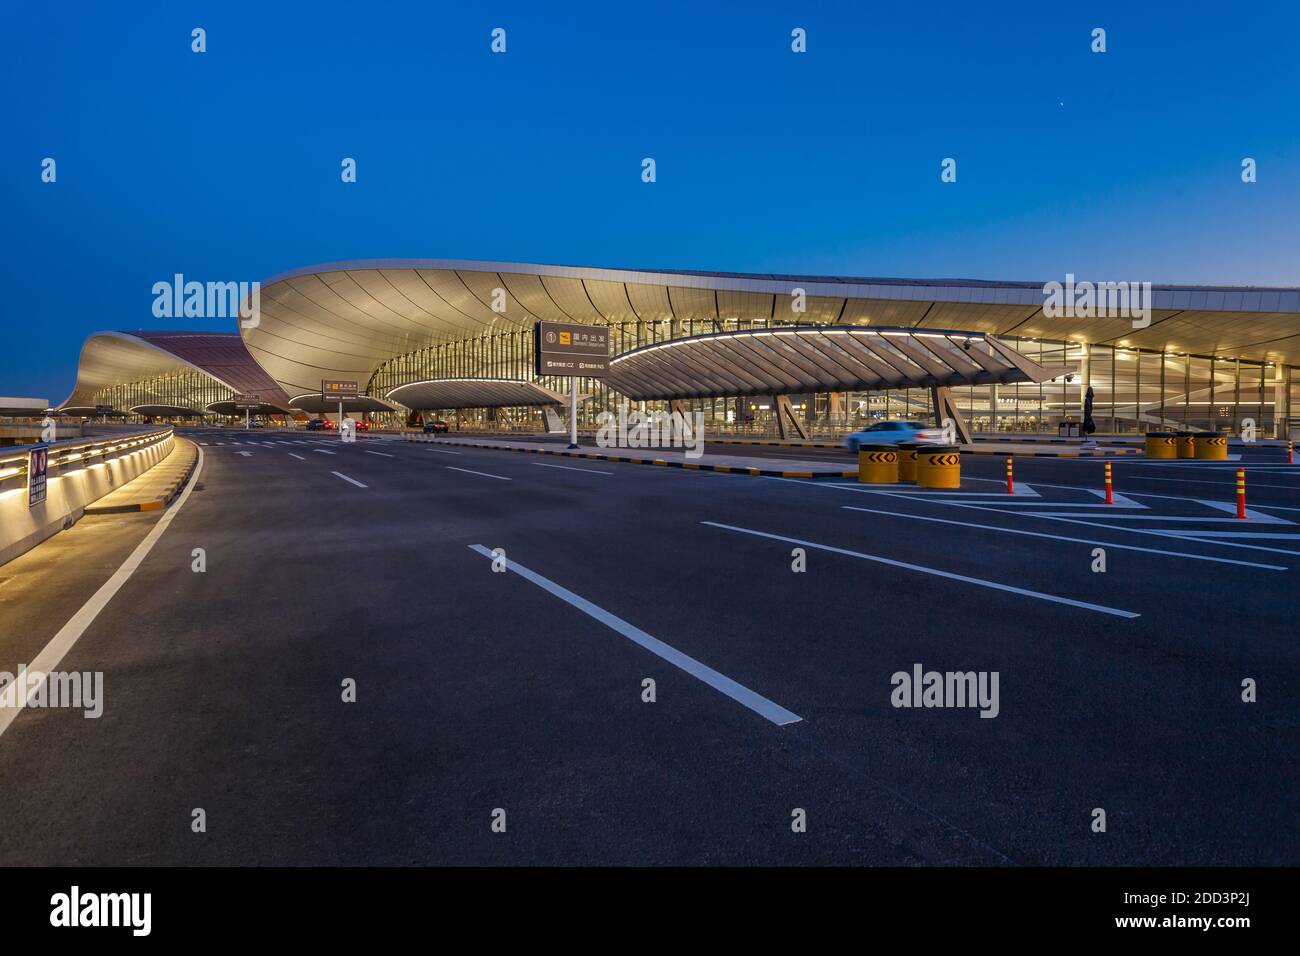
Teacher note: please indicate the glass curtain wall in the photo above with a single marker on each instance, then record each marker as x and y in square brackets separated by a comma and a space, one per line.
[190, 389]
[1134, 390]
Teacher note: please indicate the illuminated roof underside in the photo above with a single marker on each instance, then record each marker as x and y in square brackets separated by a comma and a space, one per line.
[472, 393]
[342, 320]
[834, 359]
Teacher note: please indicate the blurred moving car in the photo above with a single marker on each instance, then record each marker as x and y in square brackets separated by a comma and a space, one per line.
[362, 425]
[436, 425]
[315, 424]
[892, 432]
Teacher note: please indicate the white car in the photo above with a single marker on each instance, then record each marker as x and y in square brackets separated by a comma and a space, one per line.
[893, 432]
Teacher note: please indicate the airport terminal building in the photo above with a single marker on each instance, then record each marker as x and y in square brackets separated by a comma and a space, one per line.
[834, 351]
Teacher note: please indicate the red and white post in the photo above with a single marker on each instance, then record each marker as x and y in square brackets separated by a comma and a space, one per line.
[1011, 487]
[1241, 492]
[1110, 497]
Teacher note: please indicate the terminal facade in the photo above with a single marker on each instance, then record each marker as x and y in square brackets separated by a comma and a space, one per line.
[1215, 358]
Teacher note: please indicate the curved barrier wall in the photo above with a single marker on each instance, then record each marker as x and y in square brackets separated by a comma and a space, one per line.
[79, 472]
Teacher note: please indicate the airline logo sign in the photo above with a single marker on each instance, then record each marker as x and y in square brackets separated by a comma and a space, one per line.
[561, 348]
[38, 466]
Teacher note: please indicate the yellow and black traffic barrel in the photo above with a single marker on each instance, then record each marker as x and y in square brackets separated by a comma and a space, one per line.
[1211, 445]
[1162, 445]
[878, 464]
[1186, 444]
[938, 466]
[907, 460]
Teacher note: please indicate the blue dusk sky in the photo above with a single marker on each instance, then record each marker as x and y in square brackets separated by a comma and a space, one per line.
[225, 165]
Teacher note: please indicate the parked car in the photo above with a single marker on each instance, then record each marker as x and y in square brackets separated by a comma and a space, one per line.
[362, 425]
[892, 432]
[436, 425]
[256, 424]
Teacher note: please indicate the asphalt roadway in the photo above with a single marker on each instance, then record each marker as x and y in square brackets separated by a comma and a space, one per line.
[524, 690]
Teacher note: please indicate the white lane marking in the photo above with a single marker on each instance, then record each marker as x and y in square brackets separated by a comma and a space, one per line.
[441, 451]
[1158, 532]
[1251, 513]
[585, 471]
[1220, 483]
[1280, 535]
[482, 473]
[719, 682]
[246, 454]
[299, 457]
[1058, 537]
[379, 453]
[322, 451]
[1110, 516]
[980, 582]
[346, 478]
[204, 444]
[68, 635]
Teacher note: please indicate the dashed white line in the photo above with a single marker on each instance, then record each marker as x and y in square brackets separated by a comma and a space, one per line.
[340, 474]
[379, 453]
[299, 457]
[482, 473]
[322, 451]
[585, 471]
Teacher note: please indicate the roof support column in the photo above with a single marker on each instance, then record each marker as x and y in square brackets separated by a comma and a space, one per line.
[786, 421]
[945, 409]
[1281, 400]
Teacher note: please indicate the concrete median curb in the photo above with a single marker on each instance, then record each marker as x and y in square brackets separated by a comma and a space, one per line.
[156, 488]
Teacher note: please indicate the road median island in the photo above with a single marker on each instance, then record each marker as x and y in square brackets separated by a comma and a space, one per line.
[156, 488]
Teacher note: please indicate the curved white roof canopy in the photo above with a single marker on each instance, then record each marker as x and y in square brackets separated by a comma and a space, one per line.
[342, 320]
[122, 358]
[167, 411]
[835, 359]
[313, 402]
[472, 393]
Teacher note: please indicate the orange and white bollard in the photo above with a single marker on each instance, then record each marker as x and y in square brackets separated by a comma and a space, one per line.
[1110, 498]
[1011, 487]
[1288, 451]
[1241, 492]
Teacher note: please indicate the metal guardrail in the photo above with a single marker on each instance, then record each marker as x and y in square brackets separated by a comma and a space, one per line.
[74, 454]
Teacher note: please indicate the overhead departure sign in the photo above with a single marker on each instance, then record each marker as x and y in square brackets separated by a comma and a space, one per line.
[249, 402]
[561, 348]
[335, 391]
[38, 466]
